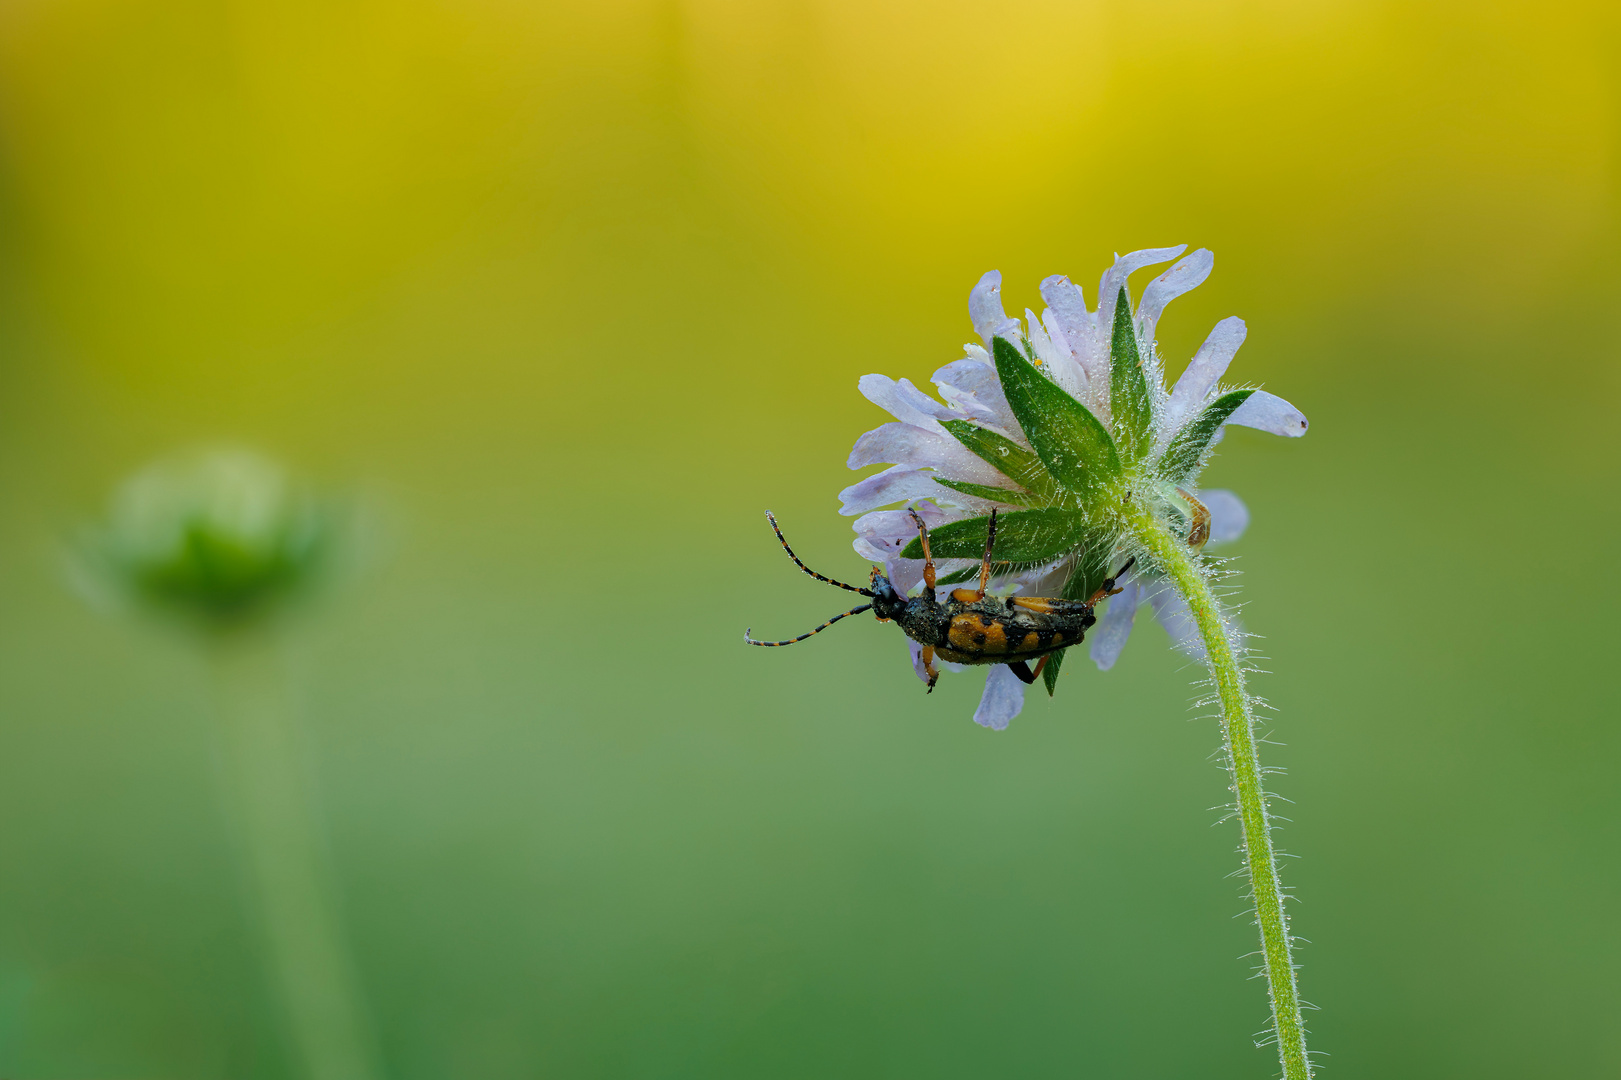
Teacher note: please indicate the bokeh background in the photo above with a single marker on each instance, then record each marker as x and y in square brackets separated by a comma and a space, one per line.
[568, 294]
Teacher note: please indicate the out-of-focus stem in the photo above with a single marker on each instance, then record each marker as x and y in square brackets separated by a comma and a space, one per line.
[268, 789]
[1243, 763]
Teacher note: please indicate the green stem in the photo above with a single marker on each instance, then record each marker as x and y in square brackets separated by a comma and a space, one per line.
[267, 789]
[1179, 563]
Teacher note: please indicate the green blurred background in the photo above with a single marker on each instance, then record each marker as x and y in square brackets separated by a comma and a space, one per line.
[571, 293]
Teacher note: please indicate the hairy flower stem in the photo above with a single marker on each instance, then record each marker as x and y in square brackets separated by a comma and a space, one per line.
[267, 790]
[1173, 556]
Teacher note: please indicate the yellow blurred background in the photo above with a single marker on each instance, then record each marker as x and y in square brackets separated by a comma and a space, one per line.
[568, 294]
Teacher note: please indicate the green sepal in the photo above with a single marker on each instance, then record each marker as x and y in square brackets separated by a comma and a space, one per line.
[1073, 445]
[1049, 674]
[1181, 459]
[1130, 405]
[994, 494]
[1004, 455]
[1032, 536]
[1091, 570]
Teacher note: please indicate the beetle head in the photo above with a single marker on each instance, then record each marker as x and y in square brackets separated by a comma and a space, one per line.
[887, 603]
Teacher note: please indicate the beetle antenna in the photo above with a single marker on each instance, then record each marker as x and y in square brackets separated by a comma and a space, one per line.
[1107, 588]
[818, 630]
[864, 592]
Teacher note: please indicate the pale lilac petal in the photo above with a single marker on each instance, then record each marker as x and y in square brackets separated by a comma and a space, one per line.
[1173, 614]
[903, 444]
[1209, 364]
[1066, 313]
[1268, 412]
[898, 524]
[1045, 580]
[897, 444]
[985, 308]
[1109, 638]
[1068, 309]
[1229, 517]
[1114, 279]
[917, 661]
[1040, 343]
[904, 574]
[1002, 700]
[891, 485]
[1188, 273]
[883, 534]
[1054, 353]
[968, 407]
[871, 550]
[972, 387]
[904, 401]
[1068, 370]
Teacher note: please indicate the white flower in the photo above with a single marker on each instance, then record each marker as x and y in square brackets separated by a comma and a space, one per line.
[1073, 345]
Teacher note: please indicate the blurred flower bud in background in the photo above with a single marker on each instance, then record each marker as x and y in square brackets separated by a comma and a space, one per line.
[221, 535]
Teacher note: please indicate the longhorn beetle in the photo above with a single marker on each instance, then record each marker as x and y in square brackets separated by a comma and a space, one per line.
[970, 627]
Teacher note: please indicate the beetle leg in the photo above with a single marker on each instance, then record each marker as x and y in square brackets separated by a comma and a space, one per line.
[1022, 670]
[928, 560]
[929, 668]
[985, 566]
[1201, 521]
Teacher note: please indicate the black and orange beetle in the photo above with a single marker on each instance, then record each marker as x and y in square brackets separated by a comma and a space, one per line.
[970, 627]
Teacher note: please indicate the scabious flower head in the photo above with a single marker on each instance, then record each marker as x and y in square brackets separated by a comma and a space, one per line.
[1063, 423]
[219, 537]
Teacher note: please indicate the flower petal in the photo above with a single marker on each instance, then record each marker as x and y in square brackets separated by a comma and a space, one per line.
[970, 385]
[1229, 517]
[891, 485]
[1054, 354]
[1115, 626]
[1002, 700]
[1173, 614]
[1114, 278]
[1066, 317]
[1268, 412]
[904, 401]
[1188, 273]
[882, 534]
[887, 531]
[917, 661]
[985, 308]
[1208, 365]
[903, 444]
[1067, 308]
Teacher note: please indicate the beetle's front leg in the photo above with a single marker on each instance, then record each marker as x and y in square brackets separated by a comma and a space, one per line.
[928, 559]
[929, 669]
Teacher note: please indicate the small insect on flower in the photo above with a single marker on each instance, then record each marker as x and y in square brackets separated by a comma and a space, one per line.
[970, 627]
